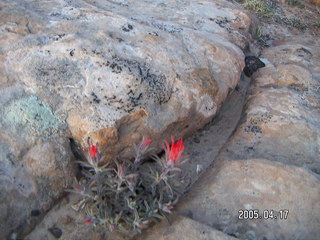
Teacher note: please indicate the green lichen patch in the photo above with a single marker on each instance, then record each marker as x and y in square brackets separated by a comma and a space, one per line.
[33, 114]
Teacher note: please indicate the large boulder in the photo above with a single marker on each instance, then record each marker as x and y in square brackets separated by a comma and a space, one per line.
[110, 70]
[115, 71]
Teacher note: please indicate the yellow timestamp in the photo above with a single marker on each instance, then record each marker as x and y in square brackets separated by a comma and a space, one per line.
[250, 214]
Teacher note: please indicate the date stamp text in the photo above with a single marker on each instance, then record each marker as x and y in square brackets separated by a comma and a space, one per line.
[244, 214]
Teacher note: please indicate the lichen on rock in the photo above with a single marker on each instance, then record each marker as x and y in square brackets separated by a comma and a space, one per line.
[33, 114]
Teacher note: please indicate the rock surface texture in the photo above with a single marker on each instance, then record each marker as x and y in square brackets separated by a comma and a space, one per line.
[269, 164]
[185, 229]
[281, 120]
[257, 184]
[115, 71]
[110, 70]
[280, 124]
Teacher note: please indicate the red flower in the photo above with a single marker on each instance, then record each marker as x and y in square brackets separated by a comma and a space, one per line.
[174, 153]
[144, 144]
[88, 220]
[113, 227]
[93, 151]
[94, 154]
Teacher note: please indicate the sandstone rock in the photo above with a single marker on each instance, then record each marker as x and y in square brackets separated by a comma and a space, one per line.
[280, 125]
[266, 163]
[281, 118]
[259, 184]
[115, 78]
[185, 229]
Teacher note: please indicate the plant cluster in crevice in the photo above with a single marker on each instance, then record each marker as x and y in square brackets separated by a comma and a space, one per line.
[125, 195]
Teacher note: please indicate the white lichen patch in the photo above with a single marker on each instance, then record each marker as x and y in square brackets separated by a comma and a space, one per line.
[207, 107]
[33, 114]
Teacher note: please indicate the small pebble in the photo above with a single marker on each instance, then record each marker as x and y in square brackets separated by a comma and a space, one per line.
[56, 232]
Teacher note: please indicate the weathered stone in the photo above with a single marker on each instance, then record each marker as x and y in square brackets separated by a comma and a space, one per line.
[110, 70]
[280, 125]
[35, 162]
[68, 221]
[185, 229]
[252, 65]
[281, 118]
[201, 151]
[115, 78]
[55, 231]
[266, 163]
[232, 186]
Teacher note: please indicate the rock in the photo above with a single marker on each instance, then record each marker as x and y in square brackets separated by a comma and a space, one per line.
[114, 78]
[55, 231]
[232, 186]
[213, 137]
[281, 117]
[271, 162]
[252, 65]
[185, 229]
[278, 125]
[71, 223]
[112, 71]
[35, 165]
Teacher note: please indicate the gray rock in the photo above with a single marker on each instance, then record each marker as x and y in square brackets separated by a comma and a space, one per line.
[35, 165]
[55, 231]
[66, 223]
